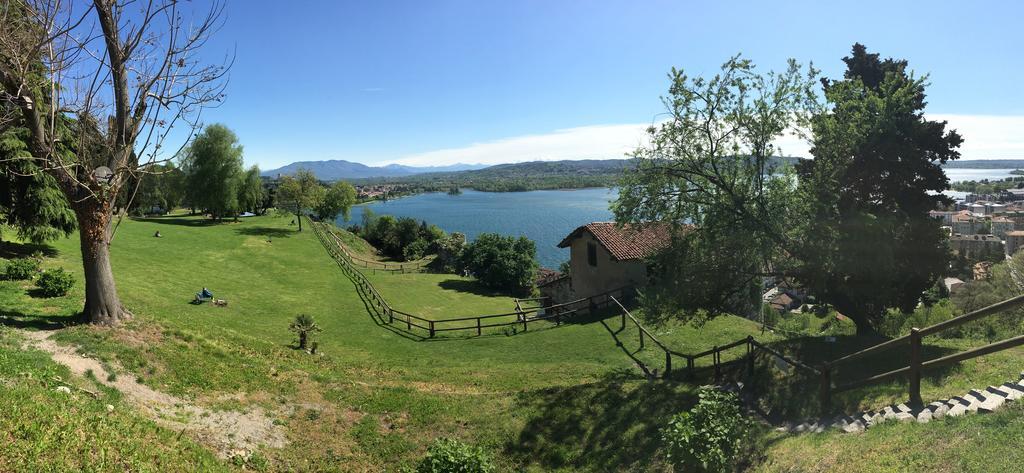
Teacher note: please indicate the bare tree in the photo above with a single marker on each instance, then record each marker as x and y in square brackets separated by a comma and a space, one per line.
[100, 86]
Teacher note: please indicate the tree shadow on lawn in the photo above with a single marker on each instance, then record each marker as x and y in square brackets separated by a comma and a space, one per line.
[787, 394]
[608, 425]
[16, 319]
[10, 250]
[270, 232]
[471, 286]
[187, 221]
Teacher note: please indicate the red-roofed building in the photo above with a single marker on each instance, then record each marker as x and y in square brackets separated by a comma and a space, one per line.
[604, 257]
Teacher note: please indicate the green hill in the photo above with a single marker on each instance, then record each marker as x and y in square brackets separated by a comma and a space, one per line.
[549, 399]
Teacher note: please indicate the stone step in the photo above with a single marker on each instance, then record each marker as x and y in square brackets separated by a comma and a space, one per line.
[1014, 391]
[986, 401]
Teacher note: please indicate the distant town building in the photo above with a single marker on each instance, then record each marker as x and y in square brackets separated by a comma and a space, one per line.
[952, 284]
[604, 257]
[976, 246]
[1002, 225]
[1014, 241]
[966, 223]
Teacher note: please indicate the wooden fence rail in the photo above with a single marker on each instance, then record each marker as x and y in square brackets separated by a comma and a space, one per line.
[522, 316]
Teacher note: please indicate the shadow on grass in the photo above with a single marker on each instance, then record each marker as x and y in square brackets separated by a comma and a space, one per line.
[15, 319]
[270, 232]
[471, 287]
[196, 221]
[787, 394]
[609, 425]
[11, 250]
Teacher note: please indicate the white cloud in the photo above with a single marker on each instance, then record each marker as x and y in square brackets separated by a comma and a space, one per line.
[587, 142]
[988, 136]
[985, 137]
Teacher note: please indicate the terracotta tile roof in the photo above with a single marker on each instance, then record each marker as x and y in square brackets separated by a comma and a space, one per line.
[627, 242]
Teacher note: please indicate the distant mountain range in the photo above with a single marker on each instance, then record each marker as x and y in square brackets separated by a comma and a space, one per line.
[340, 169]
[986, 164]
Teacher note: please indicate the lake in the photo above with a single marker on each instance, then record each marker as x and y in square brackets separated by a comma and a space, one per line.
[957, 175]
[542, 216]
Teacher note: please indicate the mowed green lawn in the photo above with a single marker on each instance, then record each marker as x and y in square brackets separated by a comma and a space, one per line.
[564, 398]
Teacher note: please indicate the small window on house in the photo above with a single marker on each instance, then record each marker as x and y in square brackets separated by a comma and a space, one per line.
[592, 253]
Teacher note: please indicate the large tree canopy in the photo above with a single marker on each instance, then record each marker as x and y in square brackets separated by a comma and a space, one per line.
[30, 201]
[869, 243]
[851, 225]
[213, 166]
[711, 165]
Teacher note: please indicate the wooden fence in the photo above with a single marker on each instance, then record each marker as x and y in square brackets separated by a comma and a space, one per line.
[824, 371]
[915, 365]
[391, 267]
[751, 345]
[523, 317]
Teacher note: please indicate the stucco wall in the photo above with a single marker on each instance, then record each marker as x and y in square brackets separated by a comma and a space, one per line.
[609, 274]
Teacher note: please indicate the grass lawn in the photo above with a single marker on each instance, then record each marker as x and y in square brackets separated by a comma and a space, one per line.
[548, 399]
[375, 397]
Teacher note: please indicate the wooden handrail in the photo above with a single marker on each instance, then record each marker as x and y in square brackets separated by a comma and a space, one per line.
[785, 358]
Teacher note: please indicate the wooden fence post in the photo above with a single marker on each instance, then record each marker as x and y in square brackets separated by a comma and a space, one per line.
[431, 329]
[915, 367]
[750, 355]
[689, 367]
[408, 322]
[714, 360]
[668, 363]
[478, 326]
[524, 321]
[623, 321]
[391, 315]
[641, 337]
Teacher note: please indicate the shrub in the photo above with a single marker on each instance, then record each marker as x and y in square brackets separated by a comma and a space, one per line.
[503, 262]
[304, 326]
[709, 436]
[416, 250]
[452, 456]
[55, 282]
[21, 268]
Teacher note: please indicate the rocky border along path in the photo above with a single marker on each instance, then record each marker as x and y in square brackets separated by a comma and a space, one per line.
[975, 401]
[232, 434]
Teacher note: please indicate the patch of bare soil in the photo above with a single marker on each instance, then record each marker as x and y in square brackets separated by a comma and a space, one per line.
[229, 433]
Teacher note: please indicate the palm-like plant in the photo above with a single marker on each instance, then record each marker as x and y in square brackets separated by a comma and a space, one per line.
[304, 326]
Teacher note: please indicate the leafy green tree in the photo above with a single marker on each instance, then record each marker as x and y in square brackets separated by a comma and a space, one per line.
[251, 191]
[868, 243]
[214, 171]
[299, 193]
[30, 200]
[503, 262]
[710, 171]
[338, 200]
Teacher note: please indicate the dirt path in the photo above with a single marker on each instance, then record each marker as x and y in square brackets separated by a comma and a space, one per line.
[229, 433]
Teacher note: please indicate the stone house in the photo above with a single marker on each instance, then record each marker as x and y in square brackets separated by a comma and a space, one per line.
[976, 246]
[1014, 241]
[606, 257]
[1002, 225]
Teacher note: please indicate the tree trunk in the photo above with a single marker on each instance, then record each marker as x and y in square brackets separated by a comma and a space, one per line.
[102, 306]
[298, 216]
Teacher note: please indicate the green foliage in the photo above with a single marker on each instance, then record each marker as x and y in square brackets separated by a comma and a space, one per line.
[447, 455]
[868, 242]
[21, 268]
[213, 168]
[338, 199]
[502, 262]
[710, 172]
[304, 326]
[415, 250]
[251, 193]
[402, 238]
[299, 193]
[897, 323]
[30, 200]
[449, 253]
[710, 436]
[1003, 283]
[55, 282]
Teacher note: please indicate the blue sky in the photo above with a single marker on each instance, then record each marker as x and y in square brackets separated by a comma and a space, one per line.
[436, 82]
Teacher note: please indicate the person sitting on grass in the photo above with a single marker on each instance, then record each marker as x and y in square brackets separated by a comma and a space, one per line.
[157, 234]
[205, 294]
